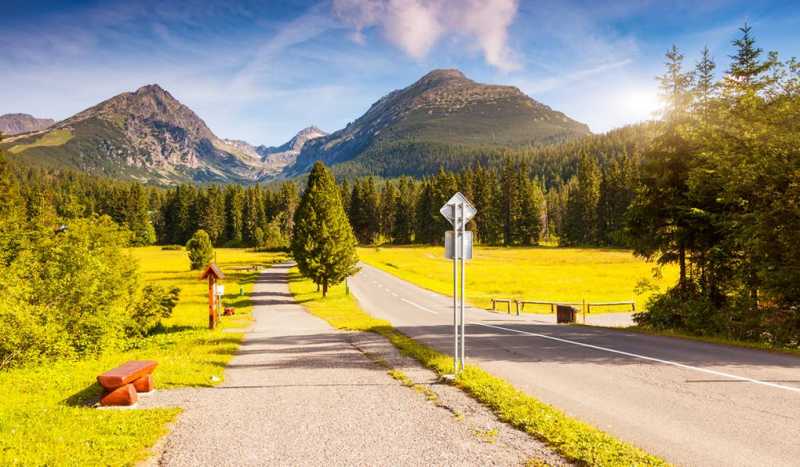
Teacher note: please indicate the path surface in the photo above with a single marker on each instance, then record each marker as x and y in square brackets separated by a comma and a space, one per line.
[299, 393]
[690, 402]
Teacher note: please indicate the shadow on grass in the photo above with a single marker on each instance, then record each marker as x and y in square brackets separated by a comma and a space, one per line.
[86, 397]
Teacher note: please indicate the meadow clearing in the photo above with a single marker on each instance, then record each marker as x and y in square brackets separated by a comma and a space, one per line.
[45, 417]
[534, 273]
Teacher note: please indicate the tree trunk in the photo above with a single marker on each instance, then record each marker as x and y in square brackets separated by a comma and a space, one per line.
[324, 288]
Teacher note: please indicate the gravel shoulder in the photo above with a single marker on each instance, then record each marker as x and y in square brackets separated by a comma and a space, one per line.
[300, 393]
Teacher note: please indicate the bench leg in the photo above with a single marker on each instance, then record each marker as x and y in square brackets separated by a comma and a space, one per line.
[123, 395]
[144, 384]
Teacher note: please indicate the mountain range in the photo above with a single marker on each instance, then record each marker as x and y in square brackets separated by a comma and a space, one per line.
[148, 135]
[14, 124]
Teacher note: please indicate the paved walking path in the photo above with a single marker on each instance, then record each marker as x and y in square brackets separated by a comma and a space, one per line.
[300, 393]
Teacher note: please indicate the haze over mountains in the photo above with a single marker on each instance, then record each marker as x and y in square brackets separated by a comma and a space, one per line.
[150, 136]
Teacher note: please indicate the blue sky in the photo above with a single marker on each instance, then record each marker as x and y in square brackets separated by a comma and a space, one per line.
[260, 71]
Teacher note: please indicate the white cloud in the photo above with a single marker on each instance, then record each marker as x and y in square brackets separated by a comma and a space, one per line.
[416, 26]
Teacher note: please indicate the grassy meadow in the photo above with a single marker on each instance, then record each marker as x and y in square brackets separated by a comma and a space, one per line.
[45, 412]
[536, 273]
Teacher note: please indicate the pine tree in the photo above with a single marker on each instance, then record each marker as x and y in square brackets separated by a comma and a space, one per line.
[426, 224]
[234, 217]
[704, 85]
[12, 213]
[529, 225]
[211, 213]
[403, 225]
[582, 216]
[389, 201]
[323, 243]
[509, 201]
[659, 217]
[200, 250]
[137, 216]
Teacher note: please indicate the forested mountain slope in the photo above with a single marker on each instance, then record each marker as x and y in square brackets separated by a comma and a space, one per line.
[443, 108]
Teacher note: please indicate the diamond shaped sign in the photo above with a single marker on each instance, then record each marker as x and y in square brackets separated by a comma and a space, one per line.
[458, 200]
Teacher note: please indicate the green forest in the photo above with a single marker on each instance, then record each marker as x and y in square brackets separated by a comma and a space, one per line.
[713, 185]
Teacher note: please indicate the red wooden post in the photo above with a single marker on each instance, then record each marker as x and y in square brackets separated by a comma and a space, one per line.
[212, 273]
[212, 322]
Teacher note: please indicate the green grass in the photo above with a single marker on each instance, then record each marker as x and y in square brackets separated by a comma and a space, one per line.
[49, 139]
[573, 439]
[45, 418]
[537, 273]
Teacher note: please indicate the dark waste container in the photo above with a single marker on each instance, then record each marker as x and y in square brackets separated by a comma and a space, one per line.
[565, 314]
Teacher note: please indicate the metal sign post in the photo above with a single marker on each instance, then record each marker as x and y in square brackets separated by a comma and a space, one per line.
[458, 246]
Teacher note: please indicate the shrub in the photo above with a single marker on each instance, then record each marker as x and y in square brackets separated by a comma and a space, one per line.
[155, 304]
[199, 249]
[272, 238]
[172, 248]
[68, 293]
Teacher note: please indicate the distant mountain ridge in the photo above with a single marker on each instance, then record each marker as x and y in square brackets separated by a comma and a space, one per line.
[150, 136]
[273, 159]
[14, 124]
[146, 135]
[445, 106]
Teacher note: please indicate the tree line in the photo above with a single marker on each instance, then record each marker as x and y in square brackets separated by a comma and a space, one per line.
[719, 195]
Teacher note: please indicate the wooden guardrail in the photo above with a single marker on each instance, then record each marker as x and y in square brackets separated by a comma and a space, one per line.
[508, 301]
[590, 305]
[585, 307]
[521, 304]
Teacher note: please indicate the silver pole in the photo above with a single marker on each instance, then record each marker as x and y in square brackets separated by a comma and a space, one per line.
[455, 298]
[463, 259]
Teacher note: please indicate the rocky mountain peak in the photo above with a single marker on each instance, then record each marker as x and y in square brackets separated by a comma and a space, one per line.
[13, 124]
[443, 75]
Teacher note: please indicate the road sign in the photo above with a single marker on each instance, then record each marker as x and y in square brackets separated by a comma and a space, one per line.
[458, 199]
[220, 290]
[458, 246]
[450, 245]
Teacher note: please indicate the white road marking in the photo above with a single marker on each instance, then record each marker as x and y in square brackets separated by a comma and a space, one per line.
[394, 294]
[419, 306]
[644, 357]
[388, 290]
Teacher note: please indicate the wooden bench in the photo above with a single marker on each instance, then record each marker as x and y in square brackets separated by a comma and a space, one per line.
[123, 383]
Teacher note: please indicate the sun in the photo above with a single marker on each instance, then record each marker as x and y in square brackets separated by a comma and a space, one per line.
[642, 104]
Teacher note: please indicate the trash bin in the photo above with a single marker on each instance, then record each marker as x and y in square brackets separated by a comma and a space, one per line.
[565, 314]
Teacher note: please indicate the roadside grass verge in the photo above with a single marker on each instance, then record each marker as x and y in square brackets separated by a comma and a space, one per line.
[46, 416]
[532, 273]
[573, 439]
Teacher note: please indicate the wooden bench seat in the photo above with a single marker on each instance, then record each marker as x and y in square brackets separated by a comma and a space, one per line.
[123, 383]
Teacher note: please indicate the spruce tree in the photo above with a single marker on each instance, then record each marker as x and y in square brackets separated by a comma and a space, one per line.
[659, 217]
[403, 224]
[137, 217]
[199, 249]
[323, 243]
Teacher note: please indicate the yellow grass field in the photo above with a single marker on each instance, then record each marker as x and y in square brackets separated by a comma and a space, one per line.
[44, 416]
[536, 273]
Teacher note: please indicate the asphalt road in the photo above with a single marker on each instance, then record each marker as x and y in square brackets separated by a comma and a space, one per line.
[691, 403]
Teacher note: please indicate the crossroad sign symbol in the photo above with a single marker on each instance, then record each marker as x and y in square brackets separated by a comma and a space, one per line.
[458, 199]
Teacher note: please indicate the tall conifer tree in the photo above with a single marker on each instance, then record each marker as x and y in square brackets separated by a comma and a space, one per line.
[323, 243]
